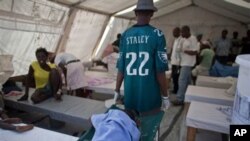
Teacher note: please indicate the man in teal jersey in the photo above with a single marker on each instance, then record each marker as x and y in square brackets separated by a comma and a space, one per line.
[142, 63]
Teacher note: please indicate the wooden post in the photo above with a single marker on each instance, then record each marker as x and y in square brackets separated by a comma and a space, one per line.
[191, 133]
[64, 38]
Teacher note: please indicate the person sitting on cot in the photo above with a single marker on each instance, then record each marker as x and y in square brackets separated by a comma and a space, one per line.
[46, 77]
[117, 125]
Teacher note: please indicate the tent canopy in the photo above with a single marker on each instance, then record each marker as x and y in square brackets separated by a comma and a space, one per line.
[235, 9]
[85, 27]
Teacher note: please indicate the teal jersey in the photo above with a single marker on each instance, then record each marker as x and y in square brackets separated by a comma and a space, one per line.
[142, 56]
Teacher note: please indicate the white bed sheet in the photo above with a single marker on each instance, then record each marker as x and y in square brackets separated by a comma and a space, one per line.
[105, 88]
[108, 88]
[36, 134]
[207, 116]
[208, 95]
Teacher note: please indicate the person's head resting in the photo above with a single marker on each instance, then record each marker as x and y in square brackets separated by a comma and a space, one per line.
[41, 55]
[176, 32]
[185, 31]
[144, 11]
[224, 34]
[133, 114]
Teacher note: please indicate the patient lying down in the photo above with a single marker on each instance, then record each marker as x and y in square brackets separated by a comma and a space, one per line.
[118, 125]
[7, 124]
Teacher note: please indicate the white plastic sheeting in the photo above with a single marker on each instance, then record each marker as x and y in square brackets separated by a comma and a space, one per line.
[115, 26]
[26, 25]
[86, 30]
[108, 6]
[22, 45]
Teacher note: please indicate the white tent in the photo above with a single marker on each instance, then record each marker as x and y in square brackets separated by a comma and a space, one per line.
[85, 27]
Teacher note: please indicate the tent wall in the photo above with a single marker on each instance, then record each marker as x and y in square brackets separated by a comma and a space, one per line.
[115, 26]
[26, 25]
[200, 21]
[22, 45]
[87, 28]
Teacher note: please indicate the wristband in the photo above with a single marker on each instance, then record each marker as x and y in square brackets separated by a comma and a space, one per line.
[165, 97]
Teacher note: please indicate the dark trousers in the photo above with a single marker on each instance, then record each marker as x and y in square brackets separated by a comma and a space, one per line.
[175, 77]
[222, 59]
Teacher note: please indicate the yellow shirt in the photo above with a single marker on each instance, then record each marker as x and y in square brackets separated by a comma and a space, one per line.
[41, 76]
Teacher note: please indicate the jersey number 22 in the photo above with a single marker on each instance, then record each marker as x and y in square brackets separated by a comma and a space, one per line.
[141, 70]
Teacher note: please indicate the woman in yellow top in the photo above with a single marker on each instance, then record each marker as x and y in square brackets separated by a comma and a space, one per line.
[47, 79]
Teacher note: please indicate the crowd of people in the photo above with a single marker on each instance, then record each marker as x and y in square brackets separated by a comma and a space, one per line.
[191, 56]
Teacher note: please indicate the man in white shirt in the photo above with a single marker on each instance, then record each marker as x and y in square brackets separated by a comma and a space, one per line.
[188, 50]
[175, 58]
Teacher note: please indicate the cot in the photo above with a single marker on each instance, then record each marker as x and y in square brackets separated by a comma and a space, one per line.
[208, 95]
[208, 117]
[36, 134]
[71, 109]
[103, 82]
[214, 82]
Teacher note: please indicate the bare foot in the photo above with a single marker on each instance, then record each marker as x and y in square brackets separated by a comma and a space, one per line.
[12, 120]
[58, 97]
[23, 98]
[24, 128]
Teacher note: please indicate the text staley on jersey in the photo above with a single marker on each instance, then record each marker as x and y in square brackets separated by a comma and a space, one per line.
[143, 39]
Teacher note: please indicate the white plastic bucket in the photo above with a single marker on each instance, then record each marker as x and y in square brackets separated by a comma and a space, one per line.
[241, 107]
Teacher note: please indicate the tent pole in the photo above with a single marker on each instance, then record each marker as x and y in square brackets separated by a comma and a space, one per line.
[61, 46]
[100, 36]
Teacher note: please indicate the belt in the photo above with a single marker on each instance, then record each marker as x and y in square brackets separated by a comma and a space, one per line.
[73, 61]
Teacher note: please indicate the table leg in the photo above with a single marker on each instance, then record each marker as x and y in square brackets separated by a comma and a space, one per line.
[224, 137]
[191, 133]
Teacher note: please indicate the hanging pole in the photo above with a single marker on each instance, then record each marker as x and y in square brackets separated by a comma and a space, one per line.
[64, 38]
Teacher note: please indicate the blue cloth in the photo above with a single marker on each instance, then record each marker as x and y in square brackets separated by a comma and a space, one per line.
[115, 125]
[184, 81]
[220, 70]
